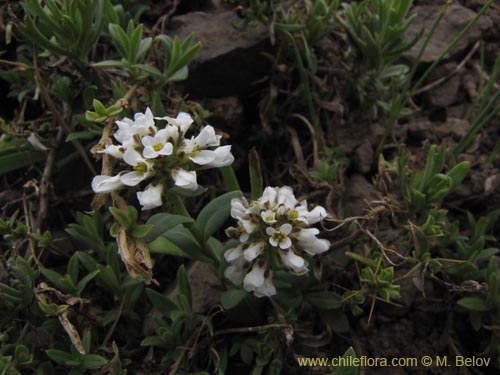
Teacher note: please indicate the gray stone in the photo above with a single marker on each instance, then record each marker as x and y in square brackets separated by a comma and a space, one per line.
[452, 23]
[230, 58]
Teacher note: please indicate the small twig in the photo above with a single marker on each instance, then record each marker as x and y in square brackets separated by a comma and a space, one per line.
[297, 148]
[485, 75]
[252, 329]
[57, 116]
[107, 160]
[313, 137]
[113, 327]
[45, 181]
[452, 73]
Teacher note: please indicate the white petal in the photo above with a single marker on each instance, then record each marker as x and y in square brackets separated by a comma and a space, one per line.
[106, 184]
[148, 141]
[207, 137]
[293, 261]
[167, 149]
[270, 231]
[269, 195]
[132, 178]
[238, 208]
[233, 254]
[267, 289]
[286, 197]
[254, 279]
[203, 157]
[306, 234]
[223, 157]
[235, 274]
[273, 242]
[132, 157]
[268, 216]
[150, 153]
[113, 150]
[182, 121]
[185, 179]
[151, 196]
[286, 228]
[315, 247]
[286, 243]
[253, 251]
[249, 225]
[316, 215]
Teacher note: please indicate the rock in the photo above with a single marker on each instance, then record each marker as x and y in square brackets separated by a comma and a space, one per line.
[359, 192]
[230, 58]
[452, 23]
[363, 157]
[447, 93]
[457, 128]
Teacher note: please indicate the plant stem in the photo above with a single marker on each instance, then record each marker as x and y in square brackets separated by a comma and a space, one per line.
[180, 209]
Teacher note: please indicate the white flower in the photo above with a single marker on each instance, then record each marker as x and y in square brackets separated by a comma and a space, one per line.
[207, 137]
[106, 184]
[183, 121]
[157, 145]
[316, 246]
[280, 237]
[268, 216]
[142, 125]
[233, 254]
[285, 197]
[253, 251]
[124, 132]
[151, 196]
[268, 196]
[143, 122]
[238, 208]
[267, 289]
[310, 217]
[293, 261]
[142, 168]
[254, 279]
[185, 179]
[221, 157]
[235, 274]
[113, 150]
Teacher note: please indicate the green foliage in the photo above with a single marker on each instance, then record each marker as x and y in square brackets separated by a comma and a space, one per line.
[66, 27]
[423, 188]
[376, 30]
[19, 293]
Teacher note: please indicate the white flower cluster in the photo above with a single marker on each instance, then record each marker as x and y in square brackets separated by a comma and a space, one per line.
[162, 155]
[273, 230]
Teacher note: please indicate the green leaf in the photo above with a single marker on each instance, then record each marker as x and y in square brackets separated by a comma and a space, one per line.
[59, 356]
[124, 219]
[161, 302]
[215, 213]
[325, 300]
[458, 174]
[164, 222]
[473, 304]
[19, 160]
[140, 231]
[93, 361]
[164, 246]
[255, 174]
[347, 370]
[183, 284]
[153, 341]
[83, 282]
[232, 298]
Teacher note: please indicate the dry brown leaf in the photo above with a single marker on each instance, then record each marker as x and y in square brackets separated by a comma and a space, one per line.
[135, 255]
